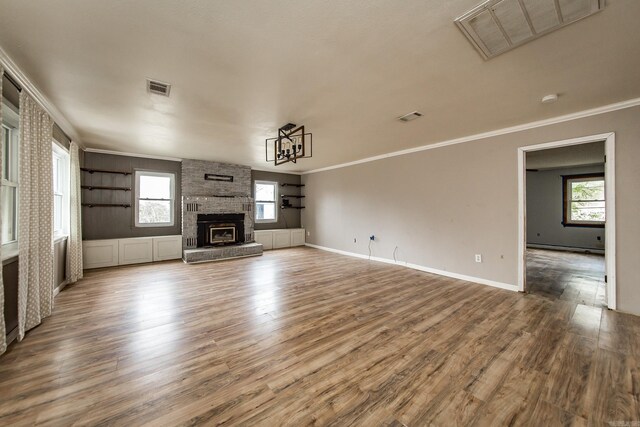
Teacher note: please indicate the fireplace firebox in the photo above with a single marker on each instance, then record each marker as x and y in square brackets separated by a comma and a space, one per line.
[220, 229]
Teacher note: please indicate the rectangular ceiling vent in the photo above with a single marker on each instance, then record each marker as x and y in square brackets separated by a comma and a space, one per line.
[411, 116]
[497, 26]
[159, 88]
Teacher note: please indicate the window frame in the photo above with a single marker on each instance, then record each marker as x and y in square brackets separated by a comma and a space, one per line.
[566, 200]
[11, 124]
[63, 188]
[172, 198]
[275, 202]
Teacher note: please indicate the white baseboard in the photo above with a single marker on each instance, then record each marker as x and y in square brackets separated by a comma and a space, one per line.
[479, 280]
[565, 248]
[11, 336]
[59, 288]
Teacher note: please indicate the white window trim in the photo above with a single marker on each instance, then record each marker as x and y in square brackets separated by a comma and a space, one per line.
[62, 154]
[12, 118]
[172, 200]
[275, 202]
[567, 220]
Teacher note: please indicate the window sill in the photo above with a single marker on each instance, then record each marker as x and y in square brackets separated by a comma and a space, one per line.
[571, 224]
[9, 253]
[60, 238]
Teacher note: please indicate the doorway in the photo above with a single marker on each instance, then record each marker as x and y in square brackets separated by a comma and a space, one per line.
[567, 219]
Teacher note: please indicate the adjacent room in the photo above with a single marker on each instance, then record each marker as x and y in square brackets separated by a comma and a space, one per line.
[368, 213]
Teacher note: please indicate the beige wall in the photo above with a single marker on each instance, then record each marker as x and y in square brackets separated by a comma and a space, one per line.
[442, 206]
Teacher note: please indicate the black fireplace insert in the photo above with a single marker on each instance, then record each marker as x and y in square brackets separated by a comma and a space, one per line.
[220, 229]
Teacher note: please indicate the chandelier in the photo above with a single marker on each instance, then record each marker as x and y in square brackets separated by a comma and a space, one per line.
[291, 144]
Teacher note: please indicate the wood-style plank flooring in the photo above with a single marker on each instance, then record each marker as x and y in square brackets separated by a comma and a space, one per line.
[568, 276]
[300, 336]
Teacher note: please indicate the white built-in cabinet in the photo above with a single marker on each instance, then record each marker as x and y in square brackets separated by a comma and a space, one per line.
[100, 253]
[135, 250]
[265, 238]
[277, 239]
[281, 239]
[297, 237]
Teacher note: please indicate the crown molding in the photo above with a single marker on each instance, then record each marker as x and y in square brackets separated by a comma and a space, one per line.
[27, 84]
[122, 153]
[504, 131]
[276, 171]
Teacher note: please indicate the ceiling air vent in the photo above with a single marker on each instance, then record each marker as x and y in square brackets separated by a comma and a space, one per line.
[497, 26]
[159, 88]
[411, 116]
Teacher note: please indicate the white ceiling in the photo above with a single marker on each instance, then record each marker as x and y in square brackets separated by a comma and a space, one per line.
[344, 69]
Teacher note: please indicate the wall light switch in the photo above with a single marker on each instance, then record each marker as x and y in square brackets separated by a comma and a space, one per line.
[478, 258]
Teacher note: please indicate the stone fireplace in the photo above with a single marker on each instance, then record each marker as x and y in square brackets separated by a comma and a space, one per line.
[217, 211]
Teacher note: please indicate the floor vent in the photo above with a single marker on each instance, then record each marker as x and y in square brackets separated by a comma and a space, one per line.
[159, 88]
[497, 26]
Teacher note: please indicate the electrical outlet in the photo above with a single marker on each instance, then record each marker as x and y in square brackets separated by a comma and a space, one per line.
[478, 258]
[308, 233]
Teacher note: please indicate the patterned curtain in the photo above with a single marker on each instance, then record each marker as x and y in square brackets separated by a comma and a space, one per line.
[3, 332]
[35, 228]
[74, 245]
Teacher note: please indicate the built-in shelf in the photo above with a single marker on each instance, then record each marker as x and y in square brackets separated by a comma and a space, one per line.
[291, 207]
[90, 170]
[99, 187]
[291, 197]
[103, 205]
[291, 185]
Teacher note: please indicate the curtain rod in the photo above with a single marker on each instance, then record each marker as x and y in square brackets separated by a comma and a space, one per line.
[13, 82]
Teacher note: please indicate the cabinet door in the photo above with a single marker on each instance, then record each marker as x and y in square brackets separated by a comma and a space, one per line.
[167, 247]
[264, 237]
[297, 237]
[281, 239]
[136, 250]
[99, 253]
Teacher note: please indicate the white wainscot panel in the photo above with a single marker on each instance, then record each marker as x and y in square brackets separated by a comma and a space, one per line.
[100, 253]
[167, 247]
[136, 250]
[281, 239]
[265, 237]
[297, 237]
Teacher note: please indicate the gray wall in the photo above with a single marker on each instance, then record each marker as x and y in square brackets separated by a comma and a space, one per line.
[544, 211]
[59, 262]
[118, 222]
[287, 218]
[442, 206]
[194, 184]
[10, 282]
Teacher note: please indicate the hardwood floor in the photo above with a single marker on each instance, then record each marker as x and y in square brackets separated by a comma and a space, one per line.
[301, 336]
[568, 276]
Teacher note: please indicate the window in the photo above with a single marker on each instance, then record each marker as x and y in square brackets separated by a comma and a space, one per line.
[584, 200]
[60, 191]
[266, 194]
[9, 187]
[155, 194]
